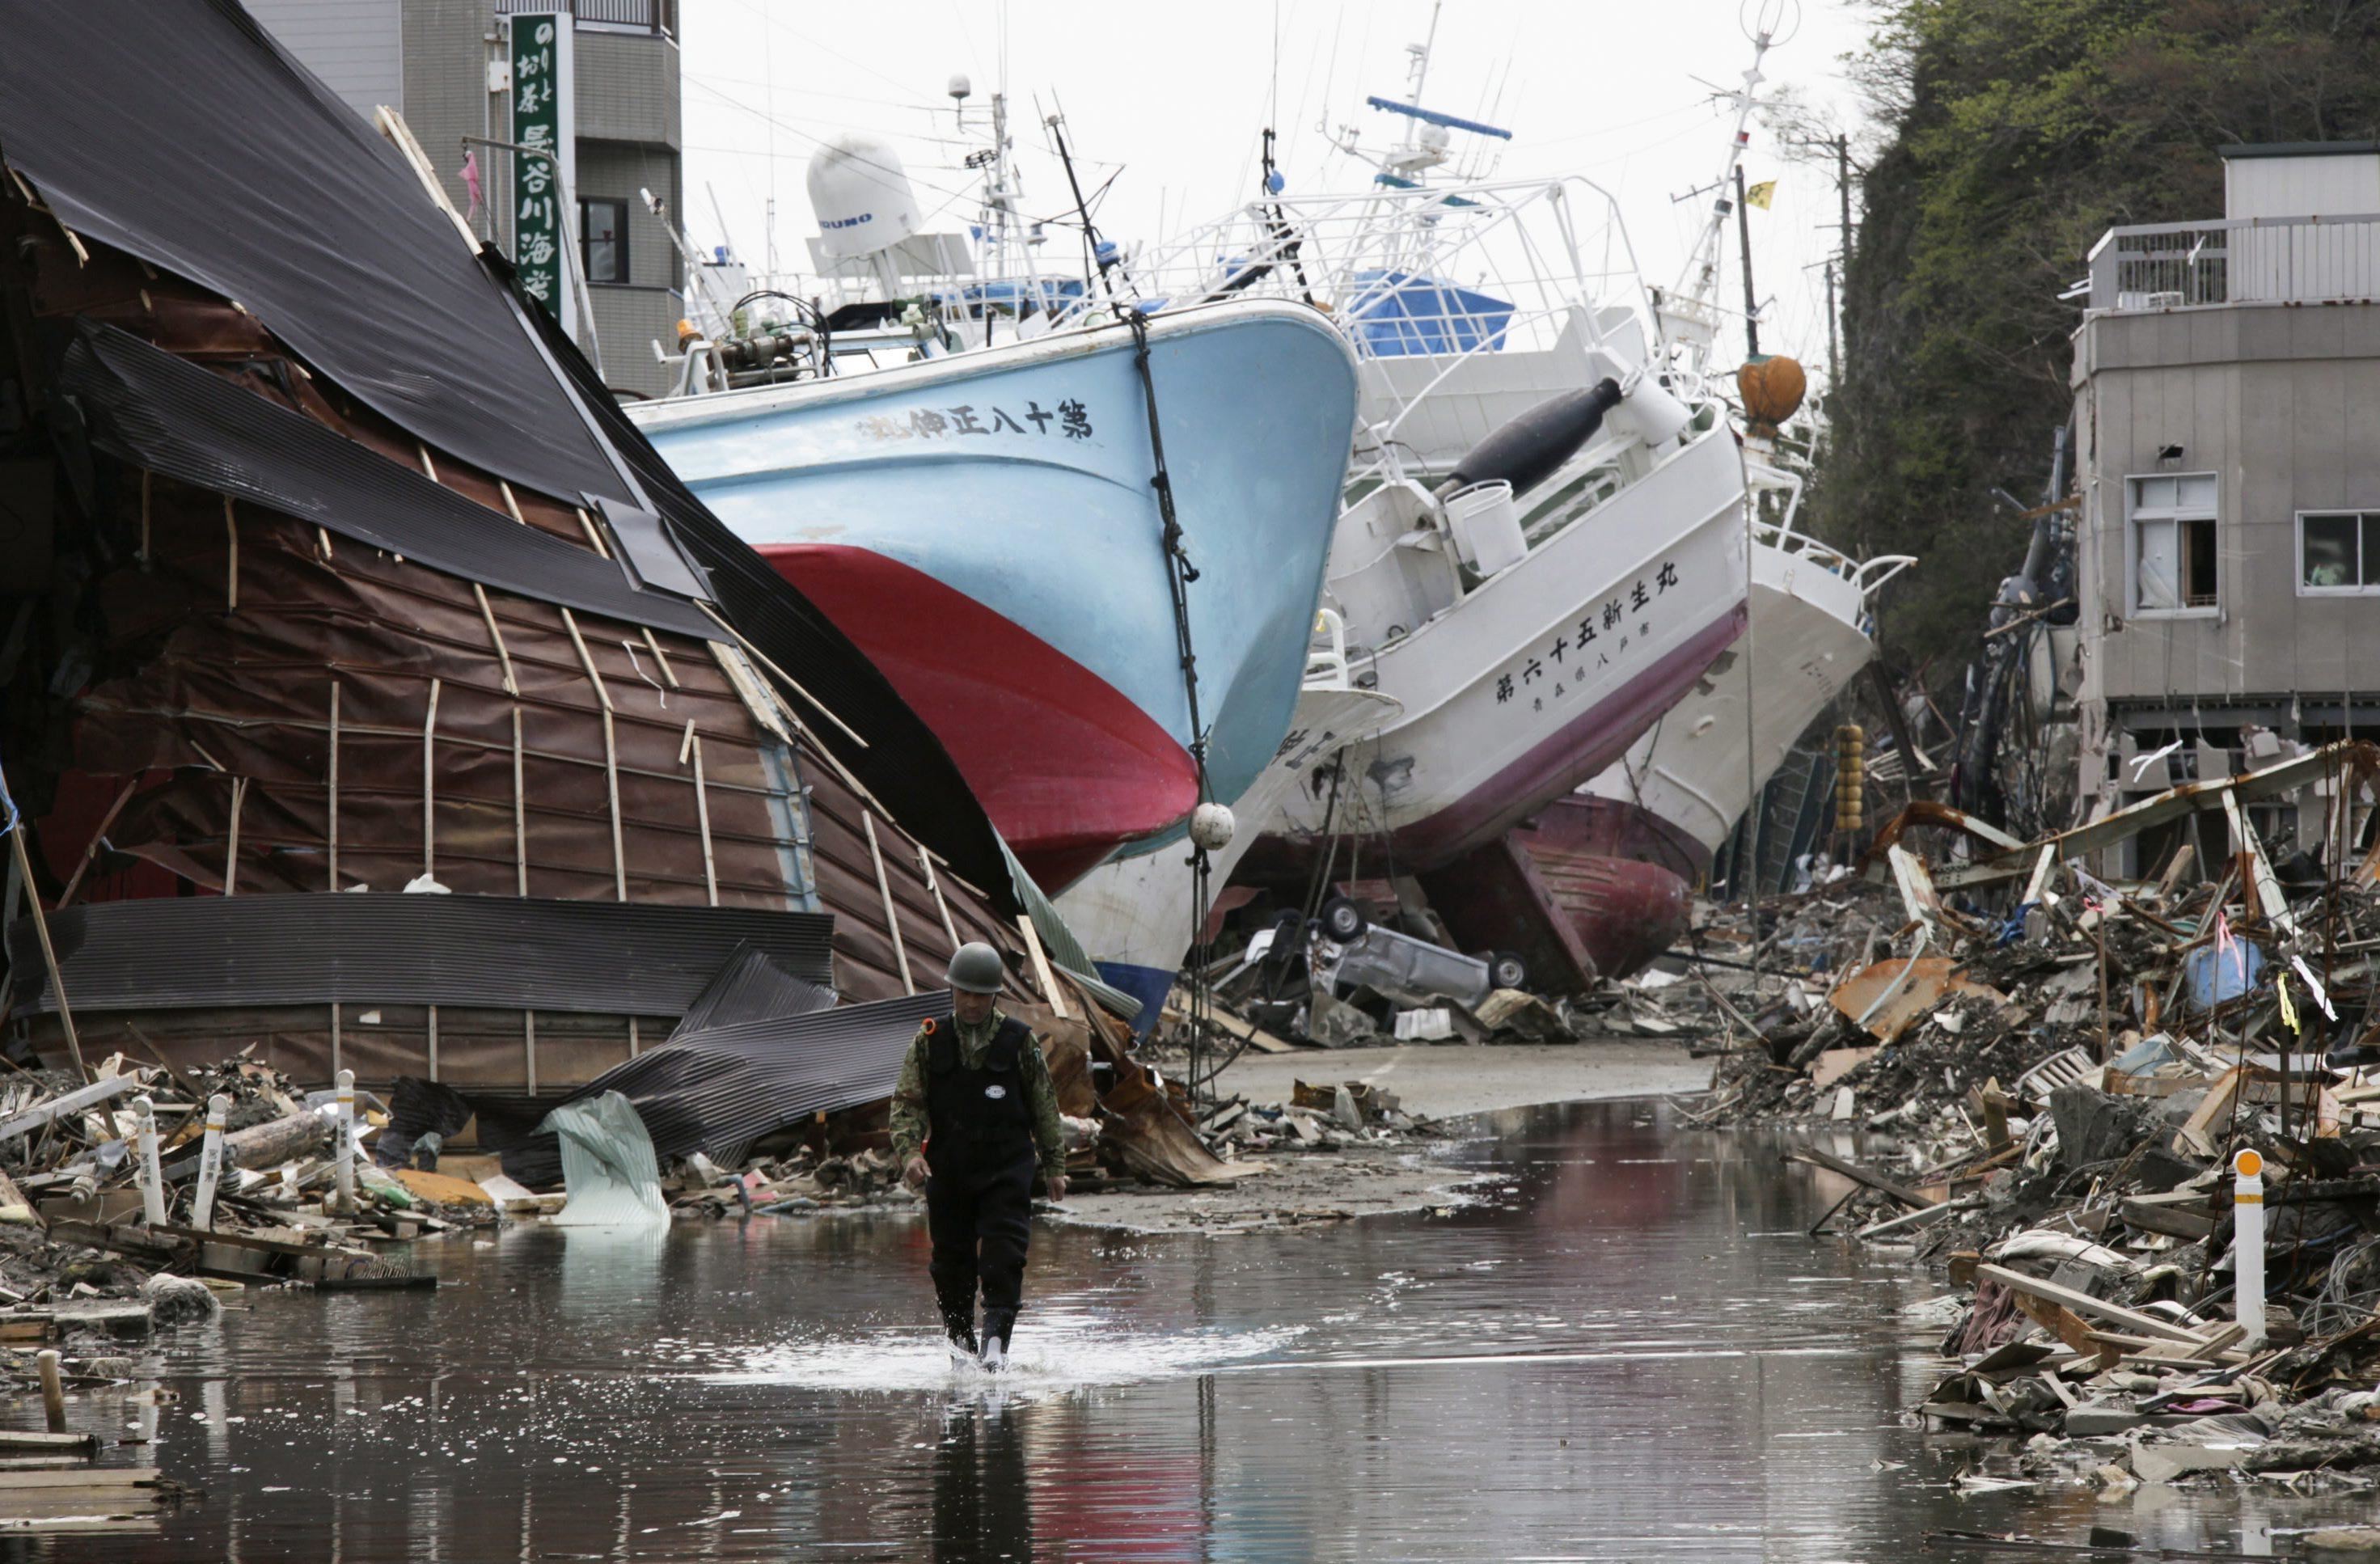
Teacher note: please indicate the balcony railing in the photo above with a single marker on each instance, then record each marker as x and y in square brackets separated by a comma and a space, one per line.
[656, 17]
[2238, 261]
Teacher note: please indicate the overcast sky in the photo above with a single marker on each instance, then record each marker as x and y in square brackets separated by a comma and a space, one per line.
[1169, 100]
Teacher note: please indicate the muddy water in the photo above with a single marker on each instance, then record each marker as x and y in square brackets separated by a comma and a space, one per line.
[1630, 1352]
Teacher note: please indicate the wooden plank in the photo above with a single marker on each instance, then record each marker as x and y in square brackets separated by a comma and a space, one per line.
[1247, 1032]
[2068, 1327]
[503, 656]
[2173, 1220]
[99, 1091]
[1041, 965]
[1868, 1176]
[267, 1245]
[2092, 1308]
[702, 817]
[10, 1439]
[893, 913]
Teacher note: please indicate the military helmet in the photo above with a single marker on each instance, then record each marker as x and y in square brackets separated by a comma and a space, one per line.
[978, 969]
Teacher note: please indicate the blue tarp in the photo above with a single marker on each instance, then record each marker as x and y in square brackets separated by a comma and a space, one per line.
[2214, 981]
[1399, 314]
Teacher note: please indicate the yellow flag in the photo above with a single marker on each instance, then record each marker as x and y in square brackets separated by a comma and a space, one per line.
[1759, 194]
[2288, 1011]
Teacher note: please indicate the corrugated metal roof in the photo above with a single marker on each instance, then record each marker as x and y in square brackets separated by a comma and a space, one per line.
[753, 986]
[161, 412]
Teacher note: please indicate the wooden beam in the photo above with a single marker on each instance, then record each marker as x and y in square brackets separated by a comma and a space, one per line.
[586, 660]
[669, 674]
[1041, 966]
[91, 853]
[231, 843]
[91, 1096]
[594, 536]
[332, 830]
[41, 928]
[934, 887]
[512, 686]
[891, 912]
[2082, 1302]
[1858, 1174]
[430, 785]
[790, 682]
[612, 789]
[520, 812]
[702, 819]
[230, 571]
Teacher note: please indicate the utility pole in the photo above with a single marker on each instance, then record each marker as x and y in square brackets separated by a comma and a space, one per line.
[1750, 301]
[1843, 192]
[1834, 349]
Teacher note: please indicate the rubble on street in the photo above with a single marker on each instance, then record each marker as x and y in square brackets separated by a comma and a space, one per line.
[2076, 1097]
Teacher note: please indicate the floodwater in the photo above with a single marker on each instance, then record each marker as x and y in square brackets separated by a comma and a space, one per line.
[1628, 1350]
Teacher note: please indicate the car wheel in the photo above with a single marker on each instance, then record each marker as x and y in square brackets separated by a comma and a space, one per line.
[1507, 970]
[1342, 920]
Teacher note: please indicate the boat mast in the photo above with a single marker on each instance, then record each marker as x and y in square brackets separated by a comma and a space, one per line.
[1697, 288]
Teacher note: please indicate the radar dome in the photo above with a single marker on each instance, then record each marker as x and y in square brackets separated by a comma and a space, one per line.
[861, 195]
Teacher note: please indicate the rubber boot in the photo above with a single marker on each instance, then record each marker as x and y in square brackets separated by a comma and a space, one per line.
[960, 1329]
[996, 1323]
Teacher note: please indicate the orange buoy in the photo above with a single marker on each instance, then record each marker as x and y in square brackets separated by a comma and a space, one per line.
[1772, 386]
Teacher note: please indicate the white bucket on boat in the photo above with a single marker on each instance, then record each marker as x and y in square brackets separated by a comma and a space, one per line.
[1487, 527]
[1657, 417]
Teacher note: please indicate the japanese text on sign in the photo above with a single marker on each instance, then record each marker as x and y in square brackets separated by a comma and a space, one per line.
[1604, 630]
[540, 52]
[1068, 420]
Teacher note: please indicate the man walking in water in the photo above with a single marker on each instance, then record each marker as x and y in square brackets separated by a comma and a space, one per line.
[974, 1111]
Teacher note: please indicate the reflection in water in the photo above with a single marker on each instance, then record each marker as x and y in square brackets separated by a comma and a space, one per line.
[983, 1501]
[1631, 1351]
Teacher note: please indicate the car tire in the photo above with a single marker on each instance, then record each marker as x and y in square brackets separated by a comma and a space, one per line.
[1342, 921]
[1507, 970]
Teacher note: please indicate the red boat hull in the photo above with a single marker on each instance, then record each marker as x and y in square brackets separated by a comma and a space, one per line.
[1573, 915]
[1068, 768]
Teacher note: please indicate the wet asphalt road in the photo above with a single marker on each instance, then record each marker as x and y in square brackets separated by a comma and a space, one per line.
[1629, 1351]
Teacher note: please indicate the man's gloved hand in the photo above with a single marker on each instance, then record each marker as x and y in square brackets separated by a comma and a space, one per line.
[912, 1173]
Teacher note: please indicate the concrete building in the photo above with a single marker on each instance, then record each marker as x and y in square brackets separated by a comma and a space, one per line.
[2226, 384]
[440, 62]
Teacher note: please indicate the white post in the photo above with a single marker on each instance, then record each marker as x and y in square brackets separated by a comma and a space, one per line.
[153, 1182]
[2248, 1244]
[347, 1152]
[203, 1209]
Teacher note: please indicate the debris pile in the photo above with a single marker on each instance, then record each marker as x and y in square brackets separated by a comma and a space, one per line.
[120, 1194]
[2136, 1118]
[1316, 1118]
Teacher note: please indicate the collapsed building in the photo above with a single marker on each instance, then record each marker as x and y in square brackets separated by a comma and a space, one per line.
[335, 575]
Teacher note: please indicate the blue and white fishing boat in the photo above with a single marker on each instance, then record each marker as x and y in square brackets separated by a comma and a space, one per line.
[983, 525]
[1137, 913]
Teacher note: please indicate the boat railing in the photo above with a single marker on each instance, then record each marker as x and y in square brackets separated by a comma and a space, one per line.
[1427, 271]
[1865, 575]
[1326, 654]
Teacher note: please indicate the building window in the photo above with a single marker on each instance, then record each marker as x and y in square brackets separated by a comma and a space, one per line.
[603, 240]
[2173, 542]
[2338, 552]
